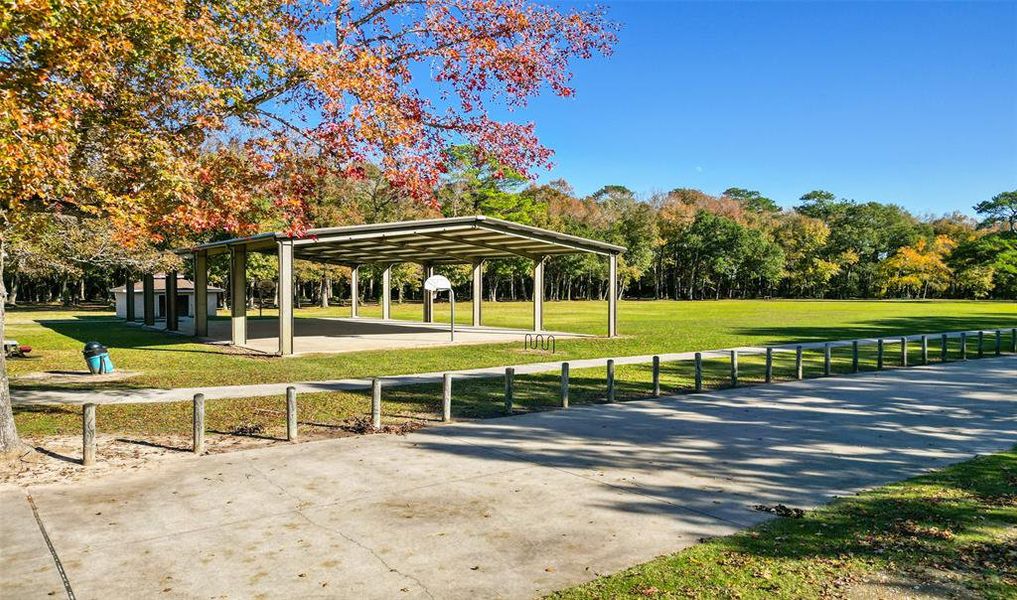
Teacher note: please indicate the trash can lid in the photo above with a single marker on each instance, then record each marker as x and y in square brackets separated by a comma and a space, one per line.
[94, 346]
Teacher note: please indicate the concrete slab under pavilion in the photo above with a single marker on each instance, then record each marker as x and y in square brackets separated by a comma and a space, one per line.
[345, 334]
[430, 243]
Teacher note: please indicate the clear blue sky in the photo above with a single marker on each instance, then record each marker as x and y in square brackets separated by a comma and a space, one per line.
[913, 103]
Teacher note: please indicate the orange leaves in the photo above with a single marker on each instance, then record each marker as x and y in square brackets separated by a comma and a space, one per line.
[109, 107]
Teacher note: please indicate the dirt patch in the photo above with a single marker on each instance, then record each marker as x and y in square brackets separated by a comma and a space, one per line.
[58, 458]
[75, 377]
[931, 585]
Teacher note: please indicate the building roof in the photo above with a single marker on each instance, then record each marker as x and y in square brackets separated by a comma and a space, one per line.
[183, 285]
[454, 240]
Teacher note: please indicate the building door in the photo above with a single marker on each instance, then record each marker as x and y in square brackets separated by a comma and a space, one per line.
[183, 306]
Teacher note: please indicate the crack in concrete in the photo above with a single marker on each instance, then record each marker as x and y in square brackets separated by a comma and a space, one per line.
[52, 549]
[344, 535]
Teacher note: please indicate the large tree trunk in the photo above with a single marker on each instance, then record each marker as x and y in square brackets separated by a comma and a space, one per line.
[326, 288]
[10, 443]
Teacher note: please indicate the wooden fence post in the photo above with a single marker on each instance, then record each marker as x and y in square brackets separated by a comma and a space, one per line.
[799, 367]
[1013, 340]
[999, 342]
[88, 435]
[564, 385]
[964, 345]
[199, 424]
[981, 340]
[879, 353]
[826, 359]
[510, 375]
[376, 403]
[903, 351]
[291, 414]
[854, 356]
[610, 380]
[446, 397]
[734, 368]
[769, 365]
[699, 371]
[656, 376]
[944, 348]
[925, 349]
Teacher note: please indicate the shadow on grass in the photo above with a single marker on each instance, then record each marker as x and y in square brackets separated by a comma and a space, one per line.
[887, 327]
[940, 529]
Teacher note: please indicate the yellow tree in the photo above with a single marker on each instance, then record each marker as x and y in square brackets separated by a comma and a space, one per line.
[916, 270]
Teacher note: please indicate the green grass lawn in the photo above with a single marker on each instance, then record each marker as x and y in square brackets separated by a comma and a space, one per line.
[166, 360]
[720, 323]
[955, 527]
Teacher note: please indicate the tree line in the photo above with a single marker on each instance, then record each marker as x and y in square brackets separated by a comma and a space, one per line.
[682, 244]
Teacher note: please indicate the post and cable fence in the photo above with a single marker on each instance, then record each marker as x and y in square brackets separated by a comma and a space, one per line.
[626, 378]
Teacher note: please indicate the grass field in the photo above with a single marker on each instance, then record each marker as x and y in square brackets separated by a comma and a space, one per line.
[650, 327]
[951, 532]
[165, 360]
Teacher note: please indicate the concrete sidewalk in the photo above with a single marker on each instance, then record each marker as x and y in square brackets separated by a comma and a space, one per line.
[27, 397]
[505, 508]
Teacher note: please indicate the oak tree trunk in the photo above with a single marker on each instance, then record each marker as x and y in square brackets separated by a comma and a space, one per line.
[10, 443]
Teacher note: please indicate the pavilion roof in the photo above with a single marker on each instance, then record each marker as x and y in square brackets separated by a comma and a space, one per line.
[453, 240]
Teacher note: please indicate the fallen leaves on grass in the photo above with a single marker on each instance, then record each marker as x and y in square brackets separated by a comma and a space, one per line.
[781, 510]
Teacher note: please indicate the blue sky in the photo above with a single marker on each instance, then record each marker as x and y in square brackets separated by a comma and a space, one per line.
[913, 103]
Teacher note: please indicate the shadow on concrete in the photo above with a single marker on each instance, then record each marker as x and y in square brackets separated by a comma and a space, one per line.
[793, 444]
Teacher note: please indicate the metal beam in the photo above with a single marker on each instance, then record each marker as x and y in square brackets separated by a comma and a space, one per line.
[148, 298]
[129, 305]
[325, 238]
[441, 252]
[542, 237]
[367, 255]
[201, 293]
[355, 291]
[478, 291]
[483, 244]
[386, 292]
[428, 296]
[285, 251]
[172, 318]
[612, 296]
[538, 294]
[238, 296]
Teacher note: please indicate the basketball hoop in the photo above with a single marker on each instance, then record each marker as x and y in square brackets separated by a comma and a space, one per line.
[440, 283]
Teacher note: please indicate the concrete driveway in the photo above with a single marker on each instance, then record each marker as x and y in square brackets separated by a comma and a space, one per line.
[506, 508]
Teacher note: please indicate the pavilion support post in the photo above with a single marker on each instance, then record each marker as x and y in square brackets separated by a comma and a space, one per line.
[238, 293]
[285, 297]
[386, 292]
[201, 294]
[538, 294]
[478, 291]
[355, 292]
[612, 296]
[129, 290]
[148, 298]
[428, 296]
[172, 318]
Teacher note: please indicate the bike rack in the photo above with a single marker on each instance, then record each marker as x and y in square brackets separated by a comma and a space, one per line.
[539, 341]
